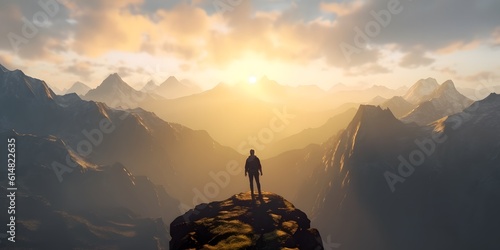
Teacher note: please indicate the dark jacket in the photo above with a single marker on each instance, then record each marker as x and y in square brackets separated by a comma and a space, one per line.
[252, 164]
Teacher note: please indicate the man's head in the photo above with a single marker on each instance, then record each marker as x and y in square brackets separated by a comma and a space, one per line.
[252, 152]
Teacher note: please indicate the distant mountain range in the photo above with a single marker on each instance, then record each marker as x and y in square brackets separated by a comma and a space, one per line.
[117, 93]
[217, 110]
[221, 109]
[142, 142]
[431, 102]
[173, 88]
[426, 101]
[311, 135]
[96, 175]
[305, 103]
[442, 101]
[78, 88]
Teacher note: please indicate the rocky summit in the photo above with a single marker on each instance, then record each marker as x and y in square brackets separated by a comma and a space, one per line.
[241, 223]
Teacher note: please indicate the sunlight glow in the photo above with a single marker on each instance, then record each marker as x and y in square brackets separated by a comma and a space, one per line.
[252, 79]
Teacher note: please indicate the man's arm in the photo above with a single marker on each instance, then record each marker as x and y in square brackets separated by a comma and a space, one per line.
[246, 167]
[260, 166]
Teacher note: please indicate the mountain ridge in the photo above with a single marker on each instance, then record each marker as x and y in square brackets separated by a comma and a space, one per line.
[115, 92]
[440, 176]
[94, 205]
[157, 151]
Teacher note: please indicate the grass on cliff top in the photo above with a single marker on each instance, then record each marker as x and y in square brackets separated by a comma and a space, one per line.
[231, 243]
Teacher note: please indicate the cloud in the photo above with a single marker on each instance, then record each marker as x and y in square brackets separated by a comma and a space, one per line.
[496, 37]
[438, 26]
[279, 38]
[33, 29]
[82, 69]
[105, 26]
[457, 46]
[415, 59]
[342, 8]
[445, 70]
[483, 76]
[6, 61]
[368, 69]
[289, 32]
[185, 67]
[289, 38]
[435, 24]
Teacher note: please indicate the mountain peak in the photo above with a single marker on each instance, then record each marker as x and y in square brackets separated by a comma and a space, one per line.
[369, 112]
[79, 88]
[151, 82]
[373, 121]
[150, 86]
[114, 80]
[448, 85]
[421, 89]
[115, 76]
[480, 112]
[447, 89]
[429, 81]
[443, 101]
[3, 69]
[171, 80]
[240, 223]
[173, 88]
[18, 85]
[492, 101]
[115, 92]
[492, 97]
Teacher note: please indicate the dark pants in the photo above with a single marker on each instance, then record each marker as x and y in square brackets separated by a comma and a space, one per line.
[256, 176]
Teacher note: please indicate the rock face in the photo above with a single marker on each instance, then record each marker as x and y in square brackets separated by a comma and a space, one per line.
[240, 223]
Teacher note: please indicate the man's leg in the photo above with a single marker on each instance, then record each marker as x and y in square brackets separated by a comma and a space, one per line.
[257, 180]
[250, 177]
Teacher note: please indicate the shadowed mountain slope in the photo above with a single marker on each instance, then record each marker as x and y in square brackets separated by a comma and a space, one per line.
[92, 207]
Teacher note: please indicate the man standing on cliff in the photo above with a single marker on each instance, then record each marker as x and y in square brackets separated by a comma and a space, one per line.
[253, 167]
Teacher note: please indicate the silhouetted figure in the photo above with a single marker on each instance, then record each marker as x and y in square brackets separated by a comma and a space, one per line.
[253, 167]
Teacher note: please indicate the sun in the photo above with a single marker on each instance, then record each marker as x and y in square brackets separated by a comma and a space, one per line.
[252, 79]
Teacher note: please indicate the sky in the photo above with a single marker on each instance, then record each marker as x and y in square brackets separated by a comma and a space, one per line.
[354, 42]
